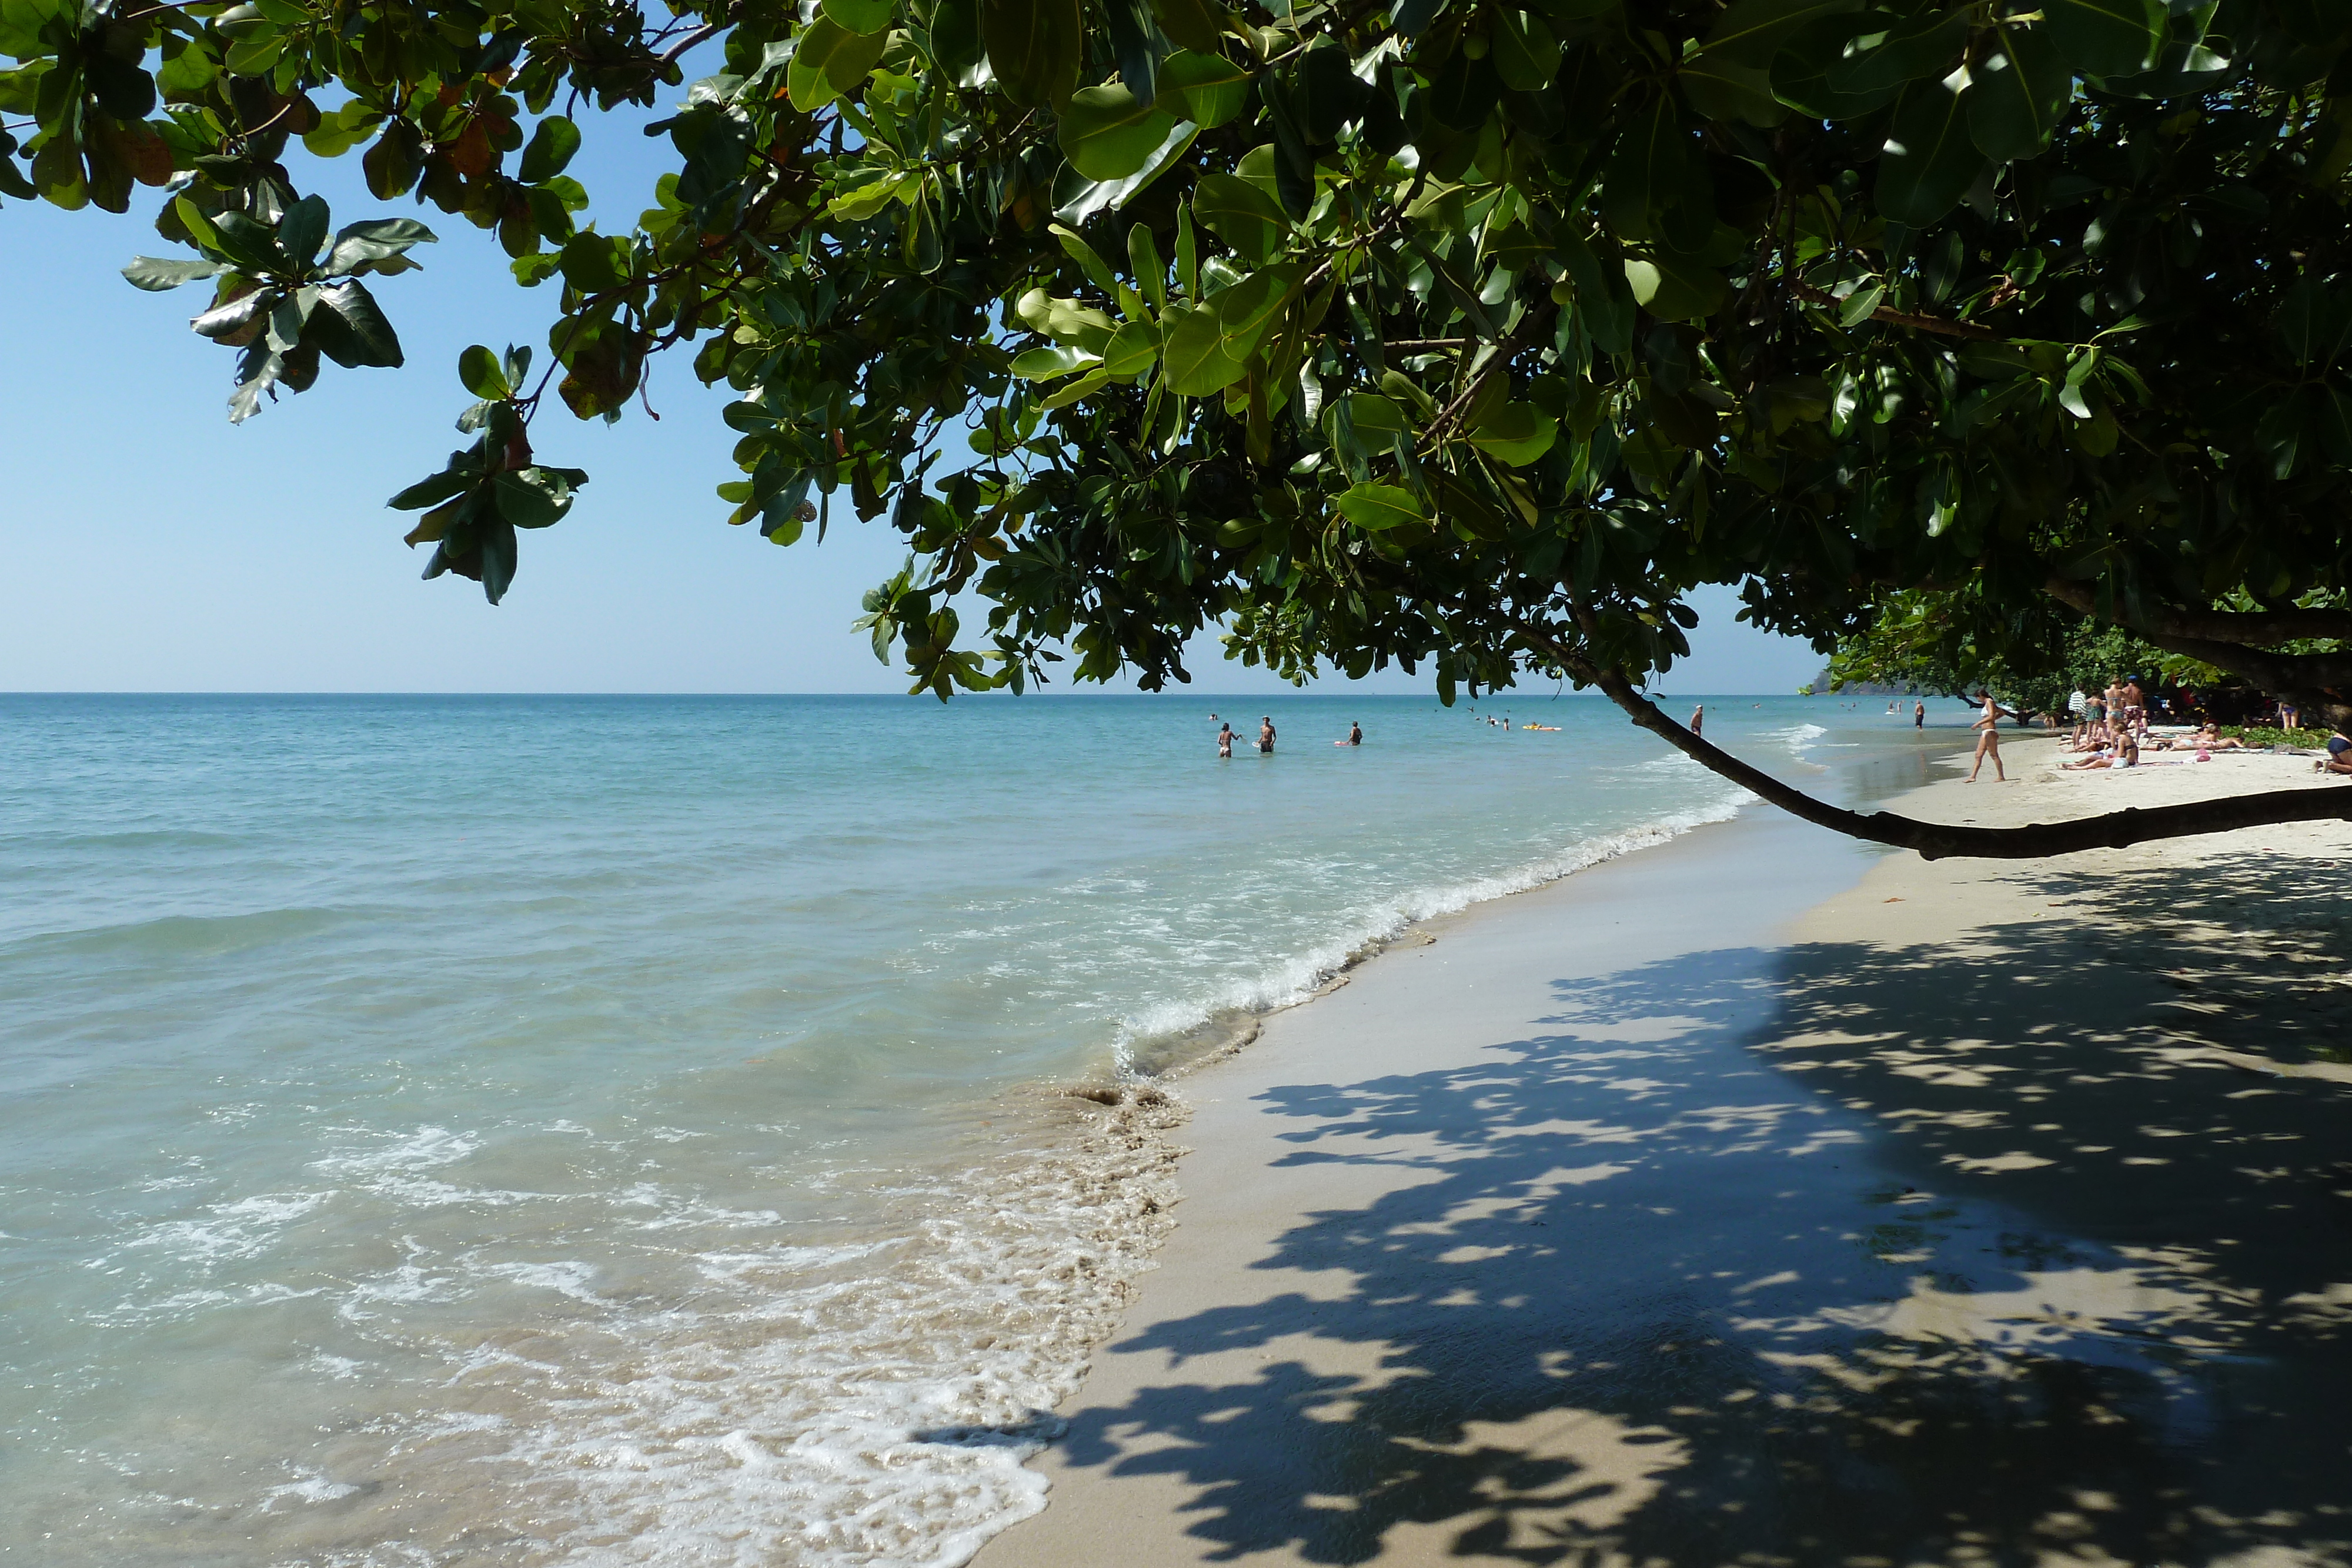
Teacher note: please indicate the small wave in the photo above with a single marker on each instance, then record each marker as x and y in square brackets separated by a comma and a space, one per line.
[239, 1229]
[1295, 978]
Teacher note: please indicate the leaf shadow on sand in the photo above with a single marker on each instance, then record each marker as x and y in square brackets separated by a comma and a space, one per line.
[1839, 1254]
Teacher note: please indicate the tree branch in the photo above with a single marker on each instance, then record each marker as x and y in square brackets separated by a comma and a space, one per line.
[1936, 841]
[1894, 318]
[2257, 627]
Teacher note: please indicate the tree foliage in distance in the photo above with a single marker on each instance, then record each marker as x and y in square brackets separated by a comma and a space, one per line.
[1464, 335]
[1912, 641]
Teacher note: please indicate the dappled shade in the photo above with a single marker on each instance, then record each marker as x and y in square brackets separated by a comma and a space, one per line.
[1834, 1255]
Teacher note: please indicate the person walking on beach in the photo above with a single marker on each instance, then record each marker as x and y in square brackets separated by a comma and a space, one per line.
[2135, 706]
[1224, 740]
[1989, 737]
[1266, 734]
[1918, 716]
[1698, 718]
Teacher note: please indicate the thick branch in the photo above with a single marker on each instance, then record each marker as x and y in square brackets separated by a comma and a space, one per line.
[2258, 628]
[1936, 841]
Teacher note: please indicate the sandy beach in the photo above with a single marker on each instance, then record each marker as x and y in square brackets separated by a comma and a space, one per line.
[1767, 1199]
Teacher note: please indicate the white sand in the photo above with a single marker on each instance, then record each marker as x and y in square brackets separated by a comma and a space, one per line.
[1651, 1218]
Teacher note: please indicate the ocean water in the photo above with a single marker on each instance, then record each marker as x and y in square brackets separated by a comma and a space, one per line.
[517, 1131]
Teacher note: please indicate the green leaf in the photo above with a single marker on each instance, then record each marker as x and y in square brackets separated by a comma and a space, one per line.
[249, 244]
[1137, 45]
[303, 230]
[1376, 508]
[1132, 349]
[236, 321]
[1752, 31]
[1930, 160]
[1044, 364]
[1720, 88]
[1516, 432]
[1143, 260]
[349, 329]
[1655, 186]
[1241, 213]
[1673, 288]
[1194, 24]
[552, 143]
[1245, 310]
[453, 480]
[1085, 386]
[1087, 198]
[860, 203]
[1371, 413]
[2106, 37]
[154, 276]
[534, 497]
[1109, 134]
[1035, 48]
[1089, 260]
[1064, 320]
[2017, 94]
[1206, 88]
[1192, 355]
[861, 15]
[830, 60]
[1810, 63]
[479, 373]
[1524, 50]
[1925, 47]
[370, 245]
[589, 263]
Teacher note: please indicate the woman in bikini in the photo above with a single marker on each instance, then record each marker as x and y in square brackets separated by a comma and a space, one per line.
[1989, 737]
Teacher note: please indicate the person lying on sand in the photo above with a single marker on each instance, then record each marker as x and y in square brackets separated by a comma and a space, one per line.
[2128, 756]
[2210, 738]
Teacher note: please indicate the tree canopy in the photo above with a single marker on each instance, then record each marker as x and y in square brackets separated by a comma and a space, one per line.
[1470, 337]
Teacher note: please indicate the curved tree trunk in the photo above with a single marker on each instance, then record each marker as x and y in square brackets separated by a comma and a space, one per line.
[1936, 840]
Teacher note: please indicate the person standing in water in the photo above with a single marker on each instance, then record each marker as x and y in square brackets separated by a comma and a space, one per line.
[1698, 718]
[1919, 716]
[1989, 737]
[1224, 740]
[1355, 733]
[1266, 734]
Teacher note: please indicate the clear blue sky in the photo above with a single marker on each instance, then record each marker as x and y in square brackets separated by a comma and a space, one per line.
[151, 547]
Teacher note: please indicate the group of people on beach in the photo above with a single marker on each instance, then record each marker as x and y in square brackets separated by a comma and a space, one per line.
[1266, 736]
[2113, 732]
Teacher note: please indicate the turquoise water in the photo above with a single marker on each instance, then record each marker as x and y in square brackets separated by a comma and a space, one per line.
[622, 1130]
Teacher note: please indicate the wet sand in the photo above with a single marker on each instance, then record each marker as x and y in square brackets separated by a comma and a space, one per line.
[1763, 1198]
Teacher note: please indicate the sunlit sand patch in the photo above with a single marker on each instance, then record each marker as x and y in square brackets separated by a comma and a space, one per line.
[1562, 1479]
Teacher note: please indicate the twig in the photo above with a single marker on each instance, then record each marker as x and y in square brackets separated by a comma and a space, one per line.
[1903, 318]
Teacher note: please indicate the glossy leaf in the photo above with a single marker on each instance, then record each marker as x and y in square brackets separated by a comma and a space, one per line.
[1108, 133]
[1240, 212]
[2106, 37]
[147, 272]
[554, 140]
[1930, 160]
[1516, 432]
[2017, 94]
[1378, 507]
[1193, 351]
[1035, 46]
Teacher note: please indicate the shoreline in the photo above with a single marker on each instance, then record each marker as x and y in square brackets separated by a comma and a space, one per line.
[1619, 1217]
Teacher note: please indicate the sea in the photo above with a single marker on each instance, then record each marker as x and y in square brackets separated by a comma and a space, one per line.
[472, 1130]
